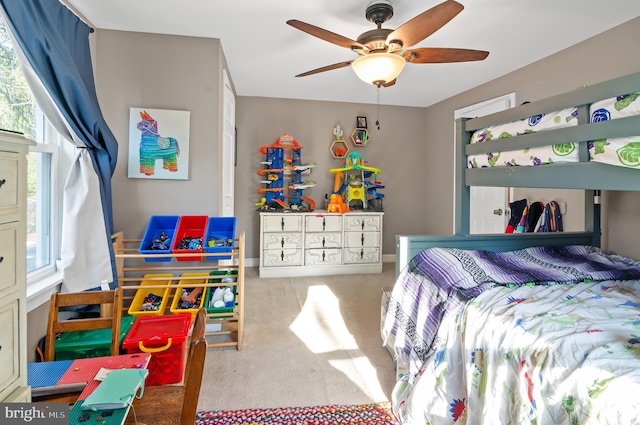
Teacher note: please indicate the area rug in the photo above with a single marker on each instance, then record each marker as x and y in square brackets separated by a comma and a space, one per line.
[371, 414]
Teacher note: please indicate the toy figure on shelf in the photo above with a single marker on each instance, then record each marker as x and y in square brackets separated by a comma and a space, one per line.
[282, 177]
[356, 186]
[339, 147]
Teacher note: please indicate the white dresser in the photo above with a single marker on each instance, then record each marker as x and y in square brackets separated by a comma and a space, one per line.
[13, 296]
[318, 243]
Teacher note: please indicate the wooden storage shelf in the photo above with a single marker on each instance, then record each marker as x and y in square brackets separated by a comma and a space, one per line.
[224, 329]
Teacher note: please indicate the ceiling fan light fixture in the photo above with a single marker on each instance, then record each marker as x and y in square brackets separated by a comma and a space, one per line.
[378, 68]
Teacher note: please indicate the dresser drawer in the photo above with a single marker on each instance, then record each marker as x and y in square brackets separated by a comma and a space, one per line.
[323, 240]
[281, 223]
[362, 223]
[282, 241]
[8, 260]
[323, 223]
[319, 257]
[362, 239]
[361, 255]
[8, 182]
[9, 353]
[281, 257]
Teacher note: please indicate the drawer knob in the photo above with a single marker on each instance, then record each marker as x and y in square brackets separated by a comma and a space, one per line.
[282, 242]
[282, 222]
[3, 181]
[324, 224]
[362, 224]
[361, 254]
[323, 241]
[1, 259]
[323, 256]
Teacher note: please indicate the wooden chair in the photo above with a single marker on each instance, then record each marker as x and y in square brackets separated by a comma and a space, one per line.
[110, 315]
[175, 404]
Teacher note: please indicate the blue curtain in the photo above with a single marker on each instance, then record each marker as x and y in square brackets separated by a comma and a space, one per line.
[55, 43]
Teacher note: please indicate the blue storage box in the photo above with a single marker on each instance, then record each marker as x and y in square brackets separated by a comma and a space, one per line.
[159, 225]
[219, 237]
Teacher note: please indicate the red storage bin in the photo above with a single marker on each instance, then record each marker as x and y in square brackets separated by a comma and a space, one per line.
[190, 227]
[165, 338]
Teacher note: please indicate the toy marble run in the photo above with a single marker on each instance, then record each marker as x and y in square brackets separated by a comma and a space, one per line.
[282, 177]
[355, 184]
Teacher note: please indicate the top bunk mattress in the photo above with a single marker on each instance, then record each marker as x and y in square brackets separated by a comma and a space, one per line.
[565, 152]
[623, 152]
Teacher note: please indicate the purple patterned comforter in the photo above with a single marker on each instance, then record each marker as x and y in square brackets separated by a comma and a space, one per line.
[437, 283]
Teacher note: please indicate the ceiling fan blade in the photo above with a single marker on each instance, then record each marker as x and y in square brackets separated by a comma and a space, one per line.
[325, 68]
[325, 35]
[443, 55]
[422, 26]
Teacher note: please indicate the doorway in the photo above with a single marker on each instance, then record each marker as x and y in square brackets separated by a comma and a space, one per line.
[489, 206]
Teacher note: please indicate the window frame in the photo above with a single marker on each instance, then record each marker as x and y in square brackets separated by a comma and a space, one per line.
[44, 281]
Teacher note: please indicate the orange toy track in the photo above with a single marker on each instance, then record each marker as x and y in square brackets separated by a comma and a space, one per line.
[312, 203]
[264, 190]
[267, 171]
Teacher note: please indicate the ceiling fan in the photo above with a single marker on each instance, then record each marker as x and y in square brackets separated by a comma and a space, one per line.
[381, 57]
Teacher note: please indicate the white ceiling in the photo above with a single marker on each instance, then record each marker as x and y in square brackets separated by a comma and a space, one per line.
[264, 53]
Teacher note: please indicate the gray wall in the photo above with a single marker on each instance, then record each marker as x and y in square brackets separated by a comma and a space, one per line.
[609, 55]
[161, 72]
[397, 149]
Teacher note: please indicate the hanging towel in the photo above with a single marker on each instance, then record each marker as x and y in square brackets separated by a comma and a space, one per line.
[535, 211]
[522, 225]
[551, 218]
[517, 207]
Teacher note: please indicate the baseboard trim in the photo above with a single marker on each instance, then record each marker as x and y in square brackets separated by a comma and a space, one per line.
[255, 262]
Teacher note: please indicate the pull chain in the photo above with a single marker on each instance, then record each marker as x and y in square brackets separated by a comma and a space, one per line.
[378, 110]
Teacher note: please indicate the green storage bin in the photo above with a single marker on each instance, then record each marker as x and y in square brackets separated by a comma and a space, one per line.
[219, 276]
[93, 343]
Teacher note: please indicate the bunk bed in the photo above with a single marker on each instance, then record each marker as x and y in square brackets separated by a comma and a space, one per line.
[530, 327]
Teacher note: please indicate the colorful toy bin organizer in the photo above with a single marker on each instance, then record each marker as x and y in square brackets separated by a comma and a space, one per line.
[151, 301]
[189, 236]
[219, 237]
[165, 338]
[158, 237]
[190, 297]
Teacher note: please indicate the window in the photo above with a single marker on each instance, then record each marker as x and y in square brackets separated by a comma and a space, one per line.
[20, 113]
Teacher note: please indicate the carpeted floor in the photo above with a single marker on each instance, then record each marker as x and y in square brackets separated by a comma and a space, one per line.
[370, 414]
[308, 341]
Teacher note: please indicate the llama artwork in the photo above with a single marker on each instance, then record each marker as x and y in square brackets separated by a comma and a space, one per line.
[158, 143]
[154, 147]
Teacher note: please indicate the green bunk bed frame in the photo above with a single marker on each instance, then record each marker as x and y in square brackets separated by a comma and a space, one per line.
[587, 175]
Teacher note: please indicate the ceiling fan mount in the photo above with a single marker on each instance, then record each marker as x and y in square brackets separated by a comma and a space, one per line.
[375, 40]
[381, 51]
[379, 13]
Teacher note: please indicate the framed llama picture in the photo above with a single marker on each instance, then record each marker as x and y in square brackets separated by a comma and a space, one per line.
[158, 144]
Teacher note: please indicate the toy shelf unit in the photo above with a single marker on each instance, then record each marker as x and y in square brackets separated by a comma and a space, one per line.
[282, 177]
[183, 283]
[320, 243]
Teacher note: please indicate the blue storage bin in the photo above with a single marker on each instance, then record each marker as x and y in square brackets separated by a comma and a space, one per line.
[219, 237]
[159, 224]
